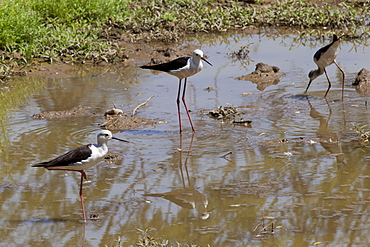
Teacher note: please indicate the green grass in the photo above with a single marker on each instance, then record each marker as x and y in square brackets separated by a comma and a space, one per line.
[51, 28]
[89, 29]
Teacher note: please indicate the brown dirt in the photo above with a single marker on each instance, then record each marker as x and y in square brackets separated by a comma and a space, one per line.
[113, 123]
[75, 112]
[125, 122]
[264, 76]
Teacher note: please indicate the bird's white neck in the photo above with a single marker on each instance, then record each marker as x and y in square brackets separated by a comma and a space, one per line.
[101, 144]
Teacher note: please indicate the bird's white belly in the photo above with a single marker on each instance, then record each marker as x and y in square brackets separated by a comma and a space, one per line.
[181, 74]
[190, 69]
[86, 164]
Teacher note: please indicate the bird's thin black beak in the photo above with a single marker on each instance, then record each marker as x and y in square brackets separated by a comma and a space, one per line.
[115, 138]
[205, 60]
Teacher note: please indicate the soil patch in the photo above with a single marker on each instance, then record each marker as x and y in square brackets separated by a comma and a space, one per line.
[79, 111]
[125, 122]
[113, 123]
[264, 75]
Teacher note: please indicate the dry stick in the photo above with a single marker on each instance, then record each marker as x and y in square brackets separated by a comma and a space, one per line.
[256, 227]
[137, 107]
[265, 228]
[114, 104]
[223, 156]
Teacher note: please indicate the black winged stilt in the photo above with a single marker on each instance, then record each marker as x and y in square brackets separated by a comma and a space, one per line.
[81, 158]
[323, 58]
[182, 68]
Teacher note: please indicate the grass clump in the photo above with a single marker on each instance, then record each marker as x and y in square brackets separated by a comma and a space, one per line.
[305, 14]
[93, 29]
[50, 29]
[227, 112]
[148, 241]
[17, 26]
[360, 130]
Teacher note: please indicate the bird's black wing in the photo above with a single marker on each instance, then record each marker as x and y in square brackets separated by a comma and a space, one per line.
[321, 51]
[73, 156]
[172, 65]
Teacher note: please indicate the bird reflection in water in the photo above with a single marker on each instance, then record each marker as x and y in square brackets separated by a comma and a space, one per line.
[325, 134]
[187, 197]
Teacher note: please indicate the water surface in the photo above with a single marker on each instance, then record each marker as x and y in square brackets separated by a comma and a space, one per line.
[299, 170]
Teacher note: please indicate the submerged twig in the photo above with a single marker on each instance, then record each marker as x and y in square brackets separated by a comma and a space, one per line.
[140, 105]
[224, 156]
[264, 228]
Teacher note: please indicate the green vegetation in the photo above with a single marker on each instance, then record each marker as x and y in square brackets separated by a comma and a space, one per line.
[51, 28]
[81, 30]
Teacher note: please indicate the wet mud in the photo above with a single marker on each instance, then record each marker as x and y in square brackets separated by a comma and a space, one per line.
[79, 111]
[125, 122]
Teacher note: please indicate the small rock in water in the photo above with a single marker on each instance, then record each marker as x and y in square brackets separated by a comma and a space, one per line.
[363, 77]
[264, 75]
[362, 82]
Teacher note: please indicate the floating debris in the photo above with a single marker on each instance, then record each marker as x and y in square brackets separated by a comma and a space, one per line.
[364, 134]
[229, 113]
[94, 216]
[242, 55]
[243, 122]
[110, 158]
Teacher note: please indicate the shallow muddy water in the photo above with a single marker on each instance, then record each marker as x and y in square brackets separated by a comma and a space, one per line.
[299, 169]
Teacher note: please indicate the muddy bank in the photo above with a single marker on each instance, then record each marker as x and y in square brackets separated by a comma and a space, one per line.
[115, 119]
[135, 54]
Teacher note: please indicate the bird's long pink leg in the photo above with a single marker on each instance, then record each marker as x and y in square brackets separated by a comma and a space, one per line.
[178, 106]
[186, 107]
[344, 76]
[327, 77]
[83, 175]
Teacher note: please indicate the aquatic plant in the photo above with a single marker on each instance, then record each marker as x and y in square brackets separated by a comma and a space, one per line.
[147, 241]
[360, 130]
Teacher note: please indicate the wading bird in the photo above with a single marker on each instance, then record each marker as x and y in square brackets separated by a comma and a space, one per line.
[323, 58]
[81, 158]
[182, 67]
